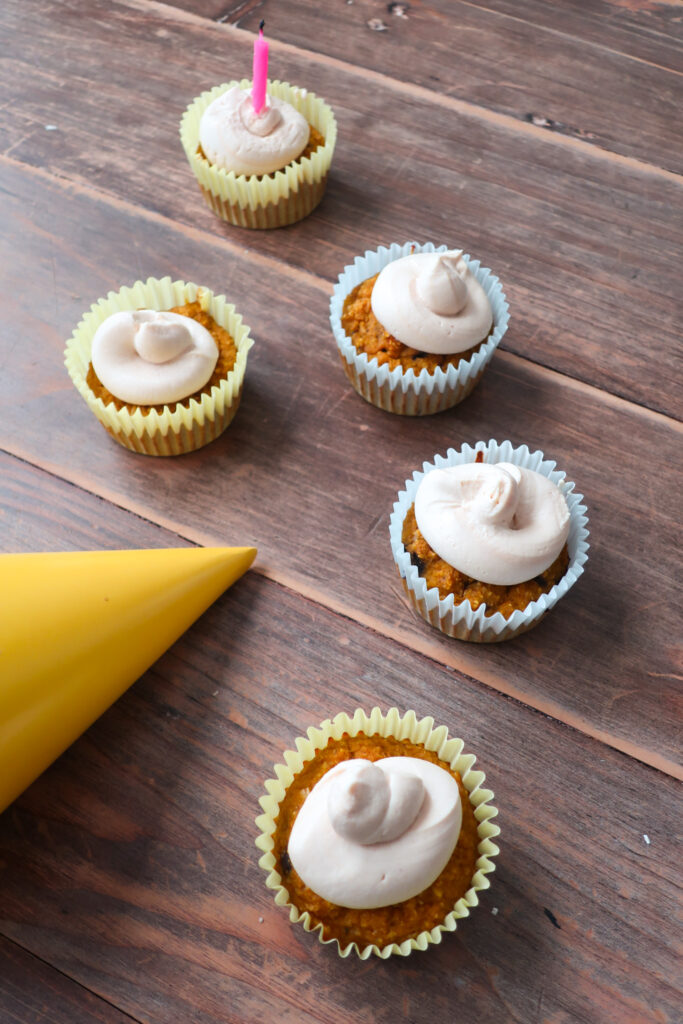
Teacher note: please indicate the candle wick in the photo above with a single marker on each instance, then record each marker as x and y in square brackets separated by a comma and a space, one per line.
[262, 25]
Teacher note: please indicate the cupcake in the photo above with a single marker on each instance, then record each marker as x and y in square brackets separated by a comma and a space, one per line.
[261, 170]
[487, 540]
[416, 326]
[161, 365]
[376, 833]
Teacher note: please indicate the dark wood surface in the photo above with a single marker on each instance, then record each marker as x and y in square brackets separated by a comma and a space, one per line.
[499, 60]
[129, 885]
[585, 241]
[131, 862]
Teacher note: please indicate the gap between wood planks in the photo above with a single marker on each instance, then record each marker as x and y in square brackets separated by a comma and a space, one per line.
[460, 659]
[323, 285]
[421, 92]
[576, 39]
[52, 968]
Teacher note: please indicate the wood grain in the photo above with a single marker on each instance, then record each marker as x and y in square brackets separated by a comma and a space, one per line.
[31, 992]
[586, 246]
[544, 139]
[309, 472]
[647, 29]
[130, 863]
[506, 62]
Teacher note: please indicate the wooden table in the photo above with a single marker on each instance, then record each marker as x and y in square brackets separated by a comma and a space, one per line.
[544, 139]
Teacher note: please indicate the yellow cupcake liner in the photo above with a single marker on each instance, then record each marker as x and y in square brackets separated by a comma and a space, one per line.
[272, 200]
[406, 727]
[193, 423]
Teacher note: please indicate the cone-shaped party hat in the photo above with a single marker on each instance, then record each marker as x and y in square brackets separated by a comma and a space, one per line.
[77, 628]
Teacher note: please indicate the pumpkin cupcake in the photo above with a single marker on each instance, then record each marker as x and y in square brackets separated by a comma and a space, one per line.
[262, 170]
[487, 540]
[377, 833]
[416, 326]
[161, 364]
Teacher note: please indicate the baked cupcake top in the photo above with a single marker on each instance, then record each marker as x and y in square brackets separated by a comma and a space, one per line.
[234, 137]
[498, 523]
[147, 357]
[432, 302]
[372, 834]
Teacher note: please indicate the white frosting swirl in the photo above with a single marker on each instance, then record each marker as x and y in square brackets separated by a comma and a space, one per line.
[237, 139]
[499, 524]
[368, 805]
[146, 357]
[371, 834]
[432, 302]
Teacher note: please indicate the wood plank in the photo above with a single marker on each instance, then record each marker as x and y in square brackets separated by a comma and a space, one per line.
[309, 472]
[646, 30]
[649, 30]
[131, 863]
[31, 992]
[587, 248]
[519, 65]
[57, 513]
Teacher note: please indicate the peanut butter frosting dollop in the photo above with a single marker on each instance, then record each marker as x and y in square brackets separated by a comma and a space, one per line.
[374, 833]
[234, 137]
[499, 524]
[147, 357]
[432, 302]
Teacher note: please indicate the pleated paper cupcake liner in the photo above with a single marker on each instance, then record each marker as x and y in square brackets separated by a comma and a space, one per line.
[193, 423]
[272, 200]
[404, 391]
[459, 620]
[421, 732]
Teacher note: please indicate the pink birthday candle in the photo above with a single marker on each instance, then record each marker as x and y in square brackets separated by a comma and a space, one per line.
[260, 72]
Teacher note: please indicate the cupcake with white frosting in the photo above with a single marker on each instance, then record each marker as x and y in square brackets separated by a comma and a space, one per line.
[161, 364]
[487, 540]
[416, 326]
[259, 170]
[377, 833]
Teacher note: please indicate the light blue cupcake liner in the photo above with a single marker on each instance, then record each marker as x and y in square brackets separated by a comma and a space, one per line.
[459, 620]
[404, 391]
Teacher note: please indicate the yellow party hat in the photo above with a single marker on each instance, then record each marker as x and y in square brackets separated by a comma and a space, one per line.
[77, 628]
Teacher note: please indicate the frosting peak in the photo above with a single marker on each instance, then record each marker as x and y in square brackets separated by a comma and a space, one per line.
[371, 834]
[266, 121]
[147, 357]
[441, 283]
[233, 136]
[494, 499]
[499, 524]
[432, 302]
[158, 339]
[367, 805]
